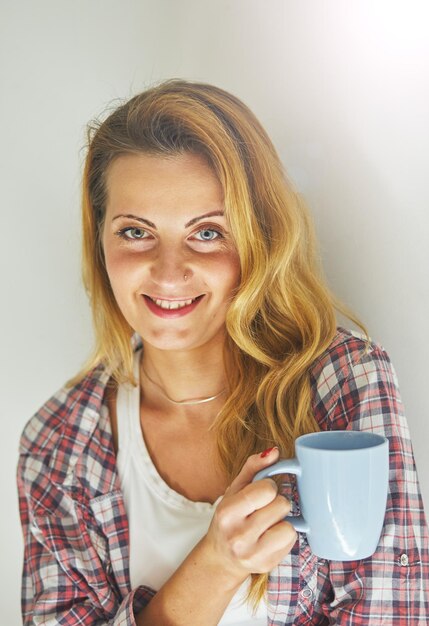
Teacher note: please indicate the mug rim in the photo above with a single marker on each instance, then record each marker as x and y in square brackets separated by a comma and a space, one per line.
[374, 440]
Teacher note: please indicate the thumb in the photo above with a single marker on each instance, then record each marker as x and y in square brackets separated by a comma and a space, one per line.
[254, 463]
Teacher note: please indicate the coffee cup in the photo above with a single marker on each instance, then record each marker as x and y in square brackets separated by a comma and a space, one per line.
[342, 479]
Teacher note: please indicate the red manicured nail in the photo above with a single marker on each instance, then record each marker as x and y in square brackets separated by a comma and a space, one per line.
[267, 451]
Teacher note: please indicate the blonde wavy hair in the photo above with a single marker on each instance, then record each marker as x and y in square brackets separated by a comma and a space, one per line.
[283, 315]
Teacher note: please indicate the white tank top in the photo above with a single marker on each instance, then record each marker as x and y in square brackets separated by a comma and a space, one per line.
[164, 525]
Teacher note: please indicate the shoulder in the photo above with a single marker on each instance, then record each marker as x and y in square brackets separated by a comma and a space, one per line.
[66, 454]
[351, 363]
[67, 415]
[63, 447]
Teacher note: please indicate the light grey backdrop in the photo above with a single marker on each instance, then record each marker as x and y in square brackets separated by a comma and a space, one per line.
[343, 89]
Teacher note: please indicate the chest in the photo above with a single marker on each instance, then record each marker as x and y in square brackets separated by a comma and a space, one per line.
[186, 461]
[184, 456]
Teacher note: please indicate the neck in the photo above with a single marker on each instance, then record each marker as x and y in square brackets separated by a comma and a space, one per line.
[185, 378]
[184, 401]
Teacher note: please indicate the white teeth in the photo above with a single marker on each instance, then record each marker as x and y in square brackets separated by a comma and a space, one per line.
[166, 304]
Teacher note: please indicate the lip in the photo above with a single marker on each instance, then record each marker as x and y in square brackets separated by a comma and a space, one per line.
[171, 313]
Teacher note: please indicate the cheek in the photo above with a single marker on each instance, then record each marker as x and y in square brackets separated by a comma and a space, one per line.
[228, 272]
[114, 263]
[122, 272]
[114, 266]
[235, 268]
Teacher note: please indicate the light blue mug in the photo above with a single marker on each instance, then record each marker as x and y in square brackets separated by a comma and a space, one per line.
[342, 479]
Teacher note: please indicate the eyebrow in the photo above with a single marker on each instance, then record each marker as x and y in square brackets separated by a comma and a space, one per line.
[190, 223]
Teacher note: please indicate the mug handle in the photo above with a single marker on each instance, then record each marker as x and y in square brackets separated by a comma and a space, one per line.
[286, 466]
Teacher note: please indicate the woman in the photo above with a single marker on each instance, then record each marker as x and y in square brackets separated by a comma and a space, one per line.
[216, 346]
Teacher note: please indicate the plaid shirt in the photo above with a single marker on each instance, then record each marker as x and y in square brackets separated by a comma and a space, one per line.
[76, 565]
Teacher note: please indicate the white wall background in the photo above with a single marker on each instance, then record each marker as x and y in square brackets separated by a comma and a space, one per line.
[341, 86]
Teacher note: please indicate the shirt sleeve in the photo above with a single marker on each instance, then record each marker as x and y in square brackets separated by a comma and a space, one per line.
[51, 594]
[392, 586]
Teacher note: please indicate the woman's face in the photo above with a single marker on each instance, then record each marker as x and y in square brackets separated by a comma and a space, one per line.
[164, 221]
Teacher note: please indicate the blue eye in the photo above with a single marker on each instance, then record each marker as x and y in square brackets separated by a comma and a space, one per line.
[141, 234]
[208, 234]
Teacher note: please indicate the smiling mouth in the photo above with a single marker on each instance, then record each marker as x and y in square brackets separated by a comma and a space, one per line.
[172, 305]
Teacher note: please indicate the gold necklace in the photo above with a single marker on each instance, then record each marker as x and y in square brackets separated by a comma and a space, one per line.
[183, 402]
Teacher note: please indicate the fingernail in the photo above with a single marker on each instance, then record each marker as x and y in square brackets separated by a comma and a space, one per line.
[268, 451]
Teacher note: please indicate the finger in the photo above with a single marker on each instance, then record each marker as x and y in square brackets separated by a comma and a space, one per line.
[254, 463]
[264, 518]
[252, 497]
[278, 541]
[271, 548]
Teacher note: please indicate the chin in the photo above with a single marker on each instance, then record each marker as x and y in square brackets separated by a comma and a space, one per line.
[168, 341]
[172, 342]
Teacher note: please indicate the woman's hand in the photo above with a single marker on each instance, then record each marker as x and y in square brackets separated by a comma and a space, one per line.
[248, 533]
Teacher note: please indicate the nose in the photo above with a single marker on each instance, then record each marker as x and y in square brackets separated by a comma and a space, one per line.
[169, 268]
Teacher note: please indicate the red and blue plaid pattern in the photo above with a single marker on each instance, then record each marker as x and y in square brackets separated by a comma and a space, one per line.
[76, 561]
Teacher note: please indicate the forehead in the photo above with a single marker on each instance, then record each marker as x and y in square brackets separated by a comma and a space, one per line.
[146, 180]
